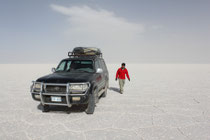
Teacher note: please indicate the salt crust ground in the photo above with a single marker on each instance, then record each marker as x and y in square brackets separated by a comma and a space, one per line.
[162, 101]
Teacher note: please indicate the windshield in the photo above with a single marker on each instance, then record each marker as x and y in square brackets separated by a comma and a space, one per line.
[75, 66]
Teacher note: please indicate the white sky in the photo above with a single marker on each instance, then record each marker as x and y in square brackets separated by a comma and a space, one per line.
[126, 31]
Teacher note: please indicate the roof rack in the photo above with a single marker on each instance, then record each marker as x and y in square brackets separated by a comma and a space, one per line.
[73, 55]
[85, 52]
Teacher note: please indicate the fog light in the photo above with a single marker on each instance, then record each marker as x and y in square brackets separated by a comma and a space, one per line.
[37, 96]
[76, 98]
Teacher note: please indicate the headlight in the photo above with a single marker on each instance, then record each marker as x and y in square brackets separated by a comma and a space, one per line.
[78, 87]
[37, 87]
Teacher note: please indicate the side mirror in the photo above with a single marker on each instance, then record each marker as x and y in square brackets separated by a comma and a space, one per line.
[53, 70]
[99, 70]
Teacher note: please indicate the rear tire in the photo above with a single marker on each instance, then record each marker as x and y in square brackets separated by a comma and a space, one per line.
[105, 92]
[91, 103]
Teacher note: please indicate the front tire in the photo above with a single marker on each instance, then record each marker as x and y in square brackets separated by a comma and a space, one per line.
[45, 108]
[91, 103]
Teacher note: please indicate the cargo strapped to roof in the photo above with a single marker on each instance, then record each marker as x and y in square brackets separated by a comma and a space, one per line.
[85, 52]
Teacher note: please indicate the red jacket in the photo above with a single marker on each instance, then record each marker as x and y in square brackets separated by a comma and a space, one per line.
[121, 73]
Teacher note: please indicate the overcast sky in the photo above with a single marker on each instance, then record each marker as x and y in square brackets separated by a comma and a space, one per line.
[131, 31]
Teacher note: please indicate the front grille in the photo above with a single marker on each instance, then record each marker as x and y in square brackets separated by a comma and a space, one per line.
[55, 88]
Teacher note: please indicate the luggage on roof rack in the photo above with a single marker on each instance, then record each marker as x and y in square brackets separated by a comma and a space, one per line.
[85, 52]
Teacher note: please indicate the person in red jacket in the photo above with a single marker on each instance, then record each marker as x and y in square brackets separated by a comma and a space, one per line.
[120, 75]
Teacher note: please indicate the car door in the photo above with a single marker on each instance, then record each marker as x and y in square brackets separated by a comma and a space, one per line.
[99, 76]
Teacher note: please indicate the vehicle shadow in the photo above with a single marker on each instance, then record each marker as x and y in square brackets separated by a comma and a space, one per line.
[114, 89]
[65, 109]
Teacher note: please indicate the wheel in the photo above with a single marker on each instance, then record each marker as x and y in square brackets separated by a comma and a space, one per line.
[91, 103]
[105, 92]
[45, 108]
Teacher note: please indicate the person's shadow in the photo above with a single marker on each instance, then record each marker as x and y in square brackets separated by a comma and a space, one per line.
[114, 89]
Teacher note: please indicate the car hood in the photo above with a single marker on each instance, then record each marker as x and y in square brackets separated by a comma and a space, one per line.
[66, 77]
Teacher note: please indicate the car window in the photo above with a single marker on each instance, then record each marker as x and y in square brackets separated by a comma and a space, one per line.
[68, 65]
[76, 66]
[61, 66]
[102, 65]
[84, 65]
[97, 65]
[105, 68]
